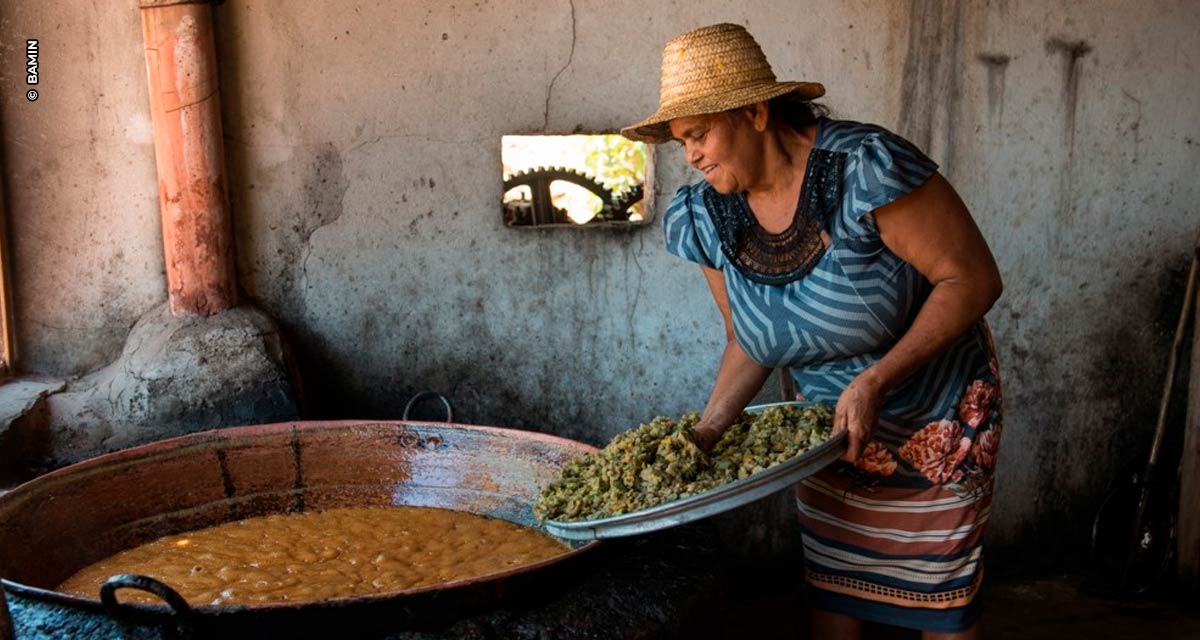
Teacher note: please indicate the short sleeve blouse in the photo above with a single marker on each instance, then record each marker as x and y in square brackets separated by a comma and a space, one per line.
[878, 168]
[857, 296]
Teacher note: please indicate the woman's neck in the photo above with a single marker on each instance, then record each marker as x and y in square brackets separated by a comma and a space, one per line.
[784, 153]
[785, 156]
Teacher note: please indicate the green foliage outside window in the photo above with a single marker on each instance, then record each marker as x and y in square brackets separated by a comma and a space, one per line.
[617, 162]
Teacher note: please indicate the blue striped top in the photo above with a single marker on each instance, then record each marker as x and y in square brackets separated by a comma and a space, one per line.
[858, 299]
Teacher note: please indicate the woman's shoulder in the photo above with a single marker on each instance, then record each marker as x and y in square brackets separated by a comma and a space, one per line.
[881, 167]
[690, 194]
[698, 205]
[849, 136]
[695, 201]
[873, 149]
[688, 225]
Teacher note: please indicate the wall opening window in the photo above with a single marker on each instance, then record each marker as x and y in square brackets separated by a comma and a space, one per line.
[574, 181]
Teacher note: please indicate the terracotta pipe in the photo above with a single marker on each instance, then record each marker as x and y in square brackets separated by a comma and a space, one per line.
[185, 106]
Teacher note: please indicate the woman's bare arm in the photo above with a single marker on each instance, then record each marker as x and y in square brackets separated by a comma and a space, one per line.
[739, 377]
[932, 230]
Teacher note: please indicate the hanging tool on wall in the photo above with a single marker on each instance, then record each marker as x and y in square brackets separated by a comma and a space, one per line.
[1141, 515]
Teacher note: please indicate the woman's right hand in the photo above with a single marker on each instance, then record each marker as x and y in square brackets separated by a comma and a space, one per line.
[706, 437]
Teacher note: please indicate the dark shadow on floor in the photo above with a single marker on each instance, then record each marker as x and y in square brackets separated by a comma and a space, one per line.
[1053, 608]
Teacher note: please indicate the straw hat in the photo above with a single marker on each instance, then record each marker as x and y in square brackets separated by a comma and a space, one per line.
[709, 70]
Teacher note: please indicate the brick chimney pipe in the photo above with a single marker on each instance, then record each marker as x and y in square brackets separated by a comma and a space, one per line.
[186, 109]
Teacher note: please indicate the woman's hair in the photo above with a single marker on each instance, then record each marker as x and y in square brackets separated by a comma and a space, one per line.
[794, 112]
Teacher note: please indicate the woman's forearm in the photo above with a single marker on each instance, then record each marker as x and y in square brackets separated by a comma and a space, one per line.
[932, 230]
[949, 311]
[739, 378]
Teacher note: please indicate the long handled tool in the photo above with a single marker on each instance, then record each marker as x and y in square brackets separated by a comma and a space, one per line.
[1150, 538]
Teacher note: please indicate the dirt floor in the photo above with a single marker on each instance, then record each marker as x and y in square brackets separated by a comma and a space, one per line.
[1060, 608]
[1027, 609]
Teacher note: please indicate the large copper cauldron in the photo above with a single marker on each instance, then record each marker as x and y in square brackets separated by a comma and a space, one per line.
[65, 520]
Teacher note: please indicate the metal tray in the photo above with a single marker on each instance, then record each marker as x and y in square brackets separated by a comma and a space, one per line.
[718, 500]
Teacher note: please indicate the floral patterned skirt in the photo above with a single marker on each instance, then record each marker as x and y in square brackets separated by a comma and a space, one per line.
[896, 538]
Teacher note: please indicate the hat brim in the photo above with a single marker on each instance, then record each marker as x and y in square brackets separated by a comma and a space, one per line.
[656, 129]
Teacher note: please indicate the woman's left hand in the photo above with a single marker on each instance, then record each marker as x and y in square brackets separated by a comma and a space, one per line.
[857, 412]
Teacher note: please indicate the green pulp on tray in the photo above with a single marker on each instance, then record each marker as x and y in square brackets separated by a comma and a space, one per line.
[657, 463]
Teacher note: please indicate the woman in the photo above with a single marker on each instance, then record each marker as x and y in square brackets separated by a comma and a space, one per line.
[835, 249]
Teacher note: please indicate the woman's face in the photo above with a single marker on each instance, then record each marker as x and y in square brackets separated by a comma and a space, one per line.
[720, 146]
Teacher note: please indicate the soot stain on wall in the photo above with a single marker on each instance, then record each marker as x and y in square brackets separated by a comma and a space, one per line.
[997, 68]
[320, 205]
[1072, 52]
[1134, 127]
[933, 77]
[1104, 413]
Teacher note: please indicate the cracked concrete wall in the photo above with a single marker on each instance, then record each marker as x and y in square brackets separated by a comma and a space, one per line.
[363, 144]
[81, 192]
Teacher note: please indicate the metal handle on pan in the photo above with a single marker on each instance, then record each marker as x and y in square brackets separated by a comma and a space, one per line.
[179, 607]
[430, 394]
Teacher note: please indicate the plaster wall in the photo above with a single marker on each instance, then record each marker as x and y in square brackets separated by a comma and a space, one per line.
[363, 148]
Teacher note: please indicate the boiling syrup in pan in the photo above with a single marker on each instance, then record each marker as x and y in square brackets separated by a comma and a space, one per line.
[329, 554]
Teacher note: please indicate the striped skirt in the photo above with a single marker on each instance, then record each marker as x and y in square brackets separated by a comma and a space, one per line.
[907, 558]
[897, 537]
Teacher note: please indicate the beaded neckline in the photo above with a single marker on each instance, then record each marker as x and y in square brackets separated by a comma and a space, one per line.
[787, 256]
